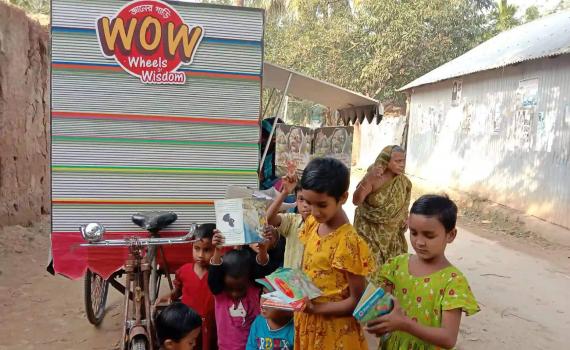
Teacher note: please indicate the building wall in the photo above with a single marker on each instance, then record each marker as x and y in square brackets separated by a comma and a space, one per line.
[491, 145]
[374, 137]
[24, 118]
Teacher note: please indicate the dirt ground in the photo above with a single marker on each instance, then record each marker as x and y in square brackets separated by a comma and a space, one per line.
[521, 284]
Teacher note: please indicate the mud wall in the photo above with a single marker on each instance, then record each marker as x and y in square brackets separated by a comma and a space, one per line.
[24, 118]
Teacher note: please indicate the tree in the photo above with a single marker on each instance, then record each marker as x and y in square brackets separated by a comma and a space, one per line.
[33, 6]
[562, 5]
[531, 14]
[506, 16]
[375, 47]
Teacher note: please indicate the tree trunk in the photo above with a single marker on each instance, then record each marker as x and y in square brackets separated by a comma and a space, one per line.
[239, 3]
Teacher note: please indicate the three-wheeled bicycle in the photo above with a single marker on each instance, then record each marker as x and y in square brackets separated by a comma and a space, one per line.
[143, 269]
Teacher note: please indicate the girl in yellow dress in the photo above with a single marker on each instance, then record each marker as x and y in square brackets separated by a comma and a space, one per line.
[336, 259]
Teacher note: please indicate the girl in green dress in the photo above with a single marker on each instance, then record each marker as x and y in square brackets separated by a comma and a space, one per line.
[430, 293]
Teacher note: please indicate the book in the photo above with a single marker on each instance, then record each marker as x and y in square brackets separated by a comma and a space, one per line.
[278, 300]
[241, 220]
[295, 146]
[289, 289]
[374, 303]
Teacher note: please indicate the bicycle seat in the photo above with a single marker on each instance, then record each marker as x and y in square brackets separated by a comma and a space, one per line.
[154, 221]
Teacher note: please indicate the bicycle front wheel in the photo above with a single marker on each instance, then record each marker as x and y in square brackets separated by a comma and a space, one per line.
[139, 343]
[95, 296]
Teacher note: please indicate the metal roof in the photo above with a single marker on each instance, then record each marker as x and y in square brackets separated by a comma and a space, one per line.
[350, 104]
[544, 37]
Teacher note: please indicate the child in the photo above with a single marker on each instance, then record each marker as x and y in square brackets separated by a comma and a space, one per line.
[336, 259]
[431, 293]
[237, 298]
[191, 283]
[177, 327]
[289, 224]
[272, 330]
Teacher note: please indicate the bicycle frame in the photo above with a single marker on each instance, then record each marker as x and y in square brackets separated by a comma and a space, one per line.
[138, 317]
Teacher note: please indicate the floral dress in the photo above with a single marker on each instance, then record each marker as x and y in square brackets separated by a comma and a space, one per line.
[424, 299]
[326, 261]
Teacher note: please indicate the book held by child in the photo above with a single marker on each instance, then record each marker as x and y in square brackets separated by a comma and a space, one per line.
[374, 302]
[289, 289]
[241, 220]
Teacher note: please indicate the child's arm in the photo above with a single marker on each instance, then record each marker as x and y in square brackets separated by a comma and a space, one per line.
[215, 271]
[273, 218]
[444, 336]
[356, 286]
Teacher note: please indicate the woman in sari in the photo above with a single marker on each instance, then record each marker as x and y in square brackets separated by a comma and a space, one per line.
[382, 199]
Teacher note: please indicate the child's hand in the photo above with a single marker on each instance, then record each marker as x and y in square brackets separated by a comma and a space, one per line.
[270, 235]
[165, 299]
[394, 321]
[218, 240]
[309, 306]
[289, 183]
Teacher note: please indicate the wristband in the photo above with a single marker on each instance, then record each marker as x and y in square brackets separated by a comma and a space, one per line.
[258, 263]
[214, 264]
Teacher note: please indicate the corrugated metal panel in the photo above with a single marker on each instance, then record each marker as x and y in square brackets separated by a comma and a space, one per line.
[547, 36]
[122, 93]
[218, 22]
[84, 47]
[159, 130]
[149, 155]
[487, 153]
[102, 185]
[120, 146]
[67, 218]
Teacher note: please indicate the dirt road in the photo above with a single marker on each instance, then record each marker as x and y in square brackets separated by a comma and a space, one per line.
[522, 288]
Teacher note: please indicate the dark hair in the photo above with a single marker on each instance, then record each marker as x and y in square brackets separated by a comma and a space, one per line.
[205, 231]
[440, 207]
[175, 322]
[237, 263]
[297, 189]
[326, 175]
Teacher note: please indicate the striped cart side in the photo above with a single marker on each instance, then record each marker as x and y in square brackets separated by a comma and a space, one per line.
[120, 146]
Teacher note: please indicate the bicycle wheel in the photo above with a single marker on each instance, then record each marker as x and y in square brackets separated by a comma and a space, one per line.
[95, 289]
[138, 343]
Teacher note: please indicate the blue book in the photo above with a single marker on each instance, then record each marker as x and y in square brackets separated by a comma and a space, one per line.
[374, 303]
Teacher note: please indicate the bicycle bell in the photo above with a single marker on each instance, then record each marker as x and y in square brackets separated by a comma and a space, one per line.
[92, 232]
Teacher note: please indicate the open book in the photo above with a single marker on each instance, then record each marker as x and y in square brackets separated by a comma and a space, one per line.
[241, 220]
[297, 145]
[289, 289]
[374, 302]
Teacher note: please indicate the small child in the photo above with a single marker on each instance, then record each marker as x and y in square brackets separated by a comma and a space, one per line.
[288, 225]
[231, 280]
[191, 283]
[177, 327]
[430, 292]
[272, 330]
[336, 259]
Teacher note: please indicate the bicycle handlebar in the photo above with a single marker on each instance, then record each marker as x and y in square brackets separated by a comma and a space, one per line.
[129, 241]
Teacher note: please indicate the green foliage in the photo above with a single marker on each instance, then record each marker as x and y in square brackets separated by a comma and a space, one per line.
[531, 14]
[33, 6]
[377, 46]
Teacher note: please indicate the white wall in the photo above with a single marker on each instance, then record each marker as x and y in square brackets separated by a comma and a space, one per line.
[482, 146]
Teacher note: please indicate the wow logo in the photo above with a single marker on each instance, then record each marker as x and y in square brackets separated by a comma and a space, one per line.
[149, 39]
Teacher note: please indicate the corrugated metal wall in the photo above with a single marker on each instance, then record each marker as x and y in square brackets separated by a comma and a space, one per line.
[484, 145]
